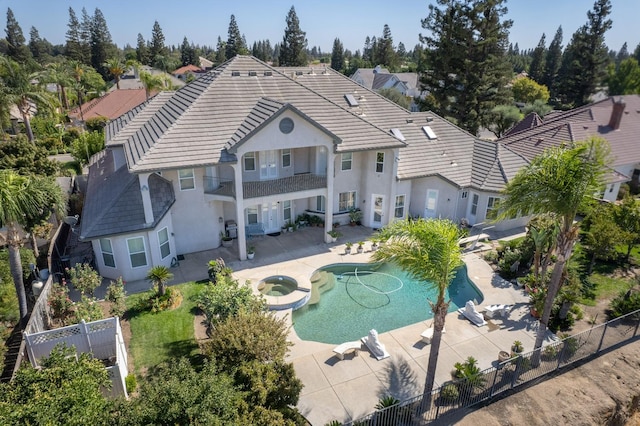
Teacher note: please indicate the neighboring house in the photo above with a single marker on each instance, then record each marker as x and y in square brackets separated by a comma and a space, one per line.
[615, 119]
[131, 79]
[183, 73]
[379, 78]
[257, 146]
[111, 105]
[205, 64]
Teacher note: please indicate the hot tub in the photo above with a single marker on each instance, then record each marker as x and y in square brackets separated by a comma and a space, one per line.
[278, 285]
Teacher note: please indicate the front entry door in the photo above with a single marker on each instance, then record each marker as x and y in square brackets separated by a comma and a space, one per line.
[377, 201]
[268, 164]
[270, 217]
[431, 203]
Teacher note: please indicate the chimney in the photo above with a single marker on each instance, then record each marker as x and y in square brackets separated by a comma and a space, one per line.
[616, 114]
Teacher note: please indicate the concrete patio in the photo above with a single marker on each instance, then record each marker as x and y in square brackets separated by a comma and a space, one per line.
[347, 389]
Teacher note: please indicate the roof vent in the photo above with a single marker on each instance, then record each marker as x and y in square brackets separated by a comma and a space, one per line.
[429, 119]
[351, 100]
[267, 73]
[398, 134]
[252, 73]
[409, 120]
[429, 132]
[299, 73]
[235, 73]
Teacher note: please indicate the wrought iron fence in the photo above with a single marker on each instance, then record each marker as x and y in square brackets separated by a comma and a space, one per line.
[457, 395]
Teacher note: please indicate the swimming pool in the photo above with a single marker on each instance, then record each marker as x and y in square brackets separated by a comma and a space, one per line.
[348, 300]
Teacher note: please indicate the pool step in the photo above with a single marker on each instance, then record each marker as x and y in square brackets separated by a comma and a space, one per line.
[321, 281]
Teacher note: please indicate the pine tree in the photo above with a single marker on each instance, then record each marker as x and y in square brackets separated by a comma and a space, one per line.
[142, 51]
[636, 52]
[16, 48]
[385, 54]
[157, 47]
[293, 51]
[337, 55]
[585, 59]
[188, 53]
[39, 48]
[402, 51]
[467, 69]
[221, 51]
[85, 37]
[552, 63]
[101, 43]
[536, 69]
[622, 54]
[366, 50]
[236, 44]
[72, 48]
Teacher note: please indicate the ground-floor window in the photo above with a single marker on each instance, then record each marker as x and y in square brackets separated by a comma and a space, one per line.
[107, 253]
[286, 210]
[163, 241]
[137, 252]
[346, 201]
[399, 210]
[492, 207]
[320, 203]
[474, 204]
[252, 215]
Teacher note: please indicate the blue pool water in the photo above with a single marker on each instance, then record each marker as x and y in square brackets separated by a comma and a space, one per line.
[348, 300]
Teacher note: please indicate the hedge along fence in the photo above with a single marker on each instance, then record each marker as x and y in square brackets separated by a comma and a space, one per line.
[457, 395]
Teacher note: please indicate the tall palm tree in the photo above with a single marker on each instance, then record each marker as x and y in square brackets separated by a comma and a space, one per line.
[77, 71]
[560, 182]
[151, 83]
[19, 90]
[429, 251]
[116, 68]
[159, 276]
[23, 198]
[58, 73]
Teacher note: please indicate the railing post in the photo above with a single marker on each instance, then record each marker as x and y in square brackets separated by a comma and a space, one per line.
[606, 325]
[495, 376]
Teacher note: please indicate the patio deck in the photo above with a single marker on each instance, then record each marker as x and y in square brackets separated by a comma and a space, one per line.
[348, 389]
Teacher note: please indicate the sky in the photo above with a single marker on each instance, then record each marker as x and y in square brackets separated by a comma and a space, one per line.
[202, 21]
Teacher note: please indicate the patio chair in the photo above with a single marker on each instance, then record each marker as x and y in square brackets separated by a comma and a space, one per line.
[374, 345]
[469, 312]
[501, 310]
[345, 347]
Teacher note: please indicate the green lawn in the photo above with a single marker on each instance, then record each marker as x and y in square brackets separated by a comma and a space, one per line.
[158, 337]
[605, 287]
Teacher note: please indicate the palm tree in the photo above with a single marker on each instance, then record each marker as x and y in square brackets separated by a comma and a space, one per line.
[77, 71]
[23, 198]
[159, 276]
[19, 90]
[151, 83]
[429, 251]
[58, 73]
[116, 68]
[560, 182]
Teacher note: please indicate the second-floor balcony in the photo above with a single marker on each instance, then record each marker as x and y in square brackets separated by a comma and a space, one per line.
[264, 188]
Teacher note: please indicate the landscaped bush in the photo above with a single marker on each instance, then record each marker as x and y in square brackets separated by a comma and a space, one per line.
[87, 309]
[509, 262]
[171, 299]
[131, 383]
[84, 278]
[624, 303]
[449, 393]
[60, 303]
[96, 124]
[117, 298]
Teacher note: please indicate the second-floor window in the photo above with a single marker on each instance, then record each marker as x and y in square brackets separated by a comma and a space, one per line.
[347, 201]
[107, 252]
[379, 162]
[250, 162]
[187, 179]
[286, 157]
[347, 158]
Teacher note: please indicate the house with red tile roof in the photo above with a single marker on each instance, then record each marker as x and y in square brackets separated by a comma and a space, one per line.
[183, 72]
[111, 105]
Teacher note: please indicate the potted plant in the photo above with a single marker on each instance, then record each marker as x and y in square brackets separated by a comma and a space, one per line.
[226, 240]
[284, 228]
[347, 247]
[374, 245]
[360, 246]
[354, 216]
[517, 348]
[251, 251]
[290, 226]
[334, 235]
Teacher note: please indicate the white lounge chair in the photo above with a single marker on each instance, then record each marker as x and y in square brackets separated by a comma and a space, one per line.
[502, 310]
[345, 347]
[470, 313]
[374, 345]
[427, 335]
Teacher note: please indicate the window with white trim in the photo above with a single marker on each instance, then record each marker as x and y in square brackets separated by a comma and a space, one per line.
[252, 215]
[346, 201]
[250, 162]
[492, 207]
[286, 158]
[320, 203]
[474, 204]
[399, 210]
[286, 210]
[346, 159]
[137, 252]
[107, 253]
[163, 241]
[187, 179]
[379, 162]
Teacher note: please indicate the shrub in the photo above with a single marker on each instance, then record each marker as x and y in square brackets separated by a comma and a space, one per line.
[87, 309]
[449, 392]
[624, 303]
[171, 299]
[84, 278]
[130, 383]
[86, 145]
[96, 124]
[116, 296]
[60, 303]
[508, 263]
[491, 256]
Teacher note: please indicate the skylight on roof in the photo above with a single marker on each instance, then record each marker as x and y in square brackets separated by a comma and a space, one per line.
[429, 132]
[398, 134]
[351, 100]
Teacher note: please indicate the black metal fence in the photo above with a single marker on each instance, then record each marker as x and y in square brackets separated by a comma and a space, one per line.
[457, 395]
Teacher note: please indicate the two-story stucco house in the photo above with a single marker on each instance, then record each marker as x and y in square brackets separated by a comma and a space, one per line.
[256, 145]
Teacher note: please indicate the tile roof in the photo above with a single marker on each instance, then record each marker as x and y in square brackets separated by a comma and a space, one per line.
[115, 203]
[187, 68]
[111, 105]
[581, 123]
[529, 122]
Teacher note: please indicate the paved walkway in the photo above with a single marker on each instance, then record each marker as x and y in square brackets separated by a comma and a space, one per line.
[349, 389]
